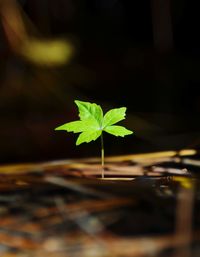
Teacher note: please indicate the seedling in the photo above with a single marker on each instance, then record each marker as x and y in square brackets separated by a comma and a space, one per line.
[92, 123]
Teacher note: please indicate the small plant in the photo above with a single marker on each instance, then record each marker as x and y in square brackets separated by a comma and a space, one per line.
[92, 123]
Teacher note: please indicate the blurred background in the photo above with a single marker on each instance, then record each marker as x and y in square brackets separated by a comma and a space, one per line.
[140, 54]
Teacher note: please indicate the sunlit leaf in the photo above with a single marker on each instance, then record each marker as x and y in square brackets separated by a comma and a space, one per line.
[79, 126]
[92, 123]
[113, 116]
[89, 110]
[118, 131]
[88, 136]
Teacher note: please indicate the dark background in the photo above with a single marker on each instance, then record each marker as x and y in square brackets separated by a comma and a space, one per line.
[144, 55]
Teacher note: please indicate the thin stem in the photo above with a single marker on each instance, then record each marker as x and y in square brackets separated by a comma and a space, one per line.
[102, 155]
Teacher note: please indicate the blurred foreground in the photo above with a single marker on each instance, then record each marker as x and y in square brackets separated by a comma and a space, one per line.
[147, 205]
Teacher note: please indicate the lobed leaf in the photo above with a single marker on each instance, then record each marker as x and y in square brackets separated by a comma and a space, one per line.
[113, 116]
[92, 123]
[118, 131]
[74, 126]
[79, 126]
[88, 136]
[89, 110]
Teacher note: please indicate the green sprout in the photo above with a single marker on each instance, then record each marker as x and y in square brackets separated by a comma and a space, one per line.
[92, 123]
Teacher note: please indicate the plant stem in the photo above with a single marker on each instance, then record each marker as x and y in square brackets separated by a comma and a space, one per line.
[102, 155]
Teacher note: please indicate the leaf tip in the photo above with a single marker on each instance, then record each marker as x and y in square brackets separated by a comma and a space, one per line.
[130, 132]
[57, 128]
[77, 102]
[77, 142]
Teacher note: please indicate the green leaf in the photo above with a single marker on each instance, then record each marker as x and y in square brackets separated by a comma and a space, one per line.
[118, 131]
[74, 126]
[88, 136]
[89, 110]
[79, 126]
[113, 116]
[92, 123]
